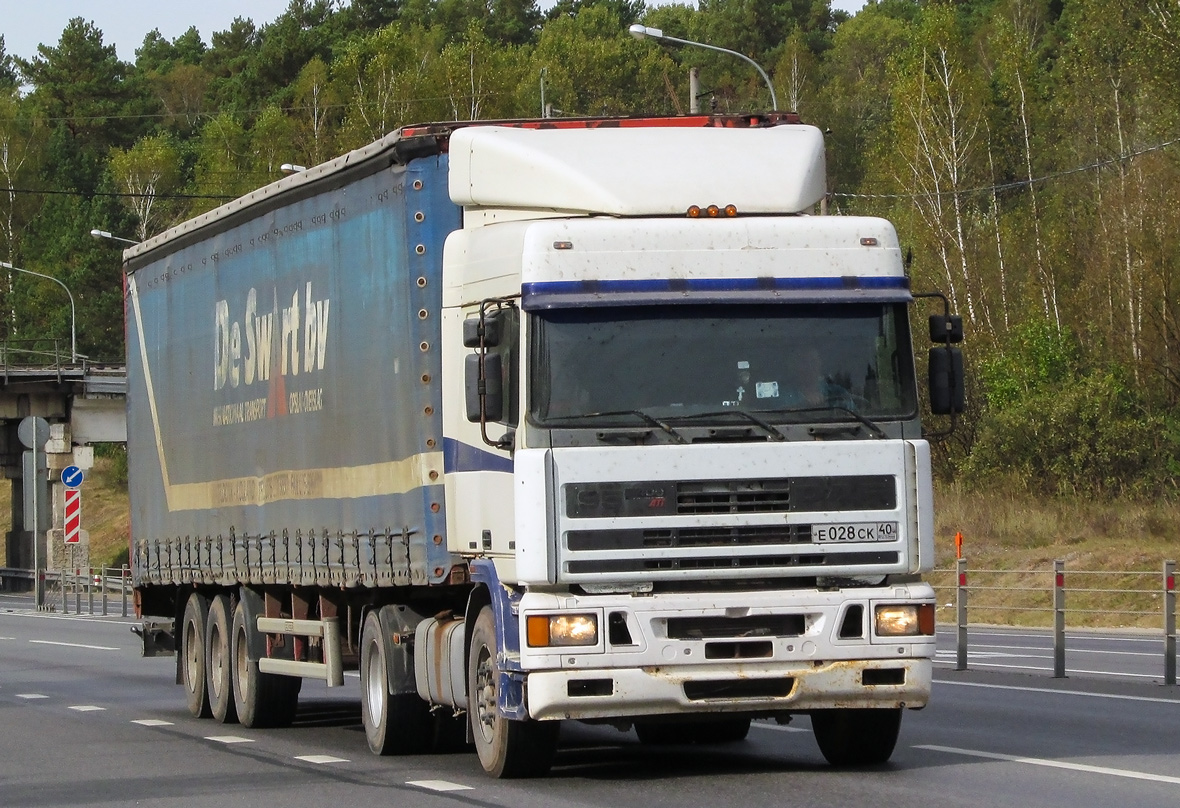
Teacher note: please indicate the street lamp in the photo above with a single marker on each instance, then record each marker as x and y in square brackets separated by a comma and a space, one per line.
[73, 316]
[642, 32]
[101, 234]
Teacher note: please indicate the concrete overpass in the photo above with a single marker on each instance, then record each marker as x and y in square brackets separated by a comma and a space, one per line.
[84, 404]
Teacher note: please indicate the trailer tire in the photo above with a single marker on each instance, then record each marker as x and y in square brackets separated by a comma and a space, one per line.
[260, 699]
[395, 723]
[192, 655]
[218, 667]
[724, 730]
[856, 737]
[506, 748]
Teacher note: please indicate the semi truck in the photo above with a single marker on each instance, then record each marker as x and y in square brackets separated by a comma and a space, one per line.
[535, 421]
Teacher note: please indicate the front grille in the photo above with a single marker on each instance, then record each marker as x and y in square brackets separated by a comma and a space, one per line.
[709, 628]
[693, 497]
[738, 689]
[742, 536]
[729, 563]
[685, 529]
[734, 496]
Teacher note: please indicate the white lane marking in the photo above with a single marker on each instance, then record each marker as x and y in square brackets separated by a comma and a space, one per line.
[1053, 764]
[31, 696]
[1117, 696]
[7, 638]
[777, 727]
[228, 739]
[75, 645]
[438, 785]
[80, 618]
[87, 708]
[1039, 648]
[320, 759]
[1067, 670]
[151, 722]
[950, 634]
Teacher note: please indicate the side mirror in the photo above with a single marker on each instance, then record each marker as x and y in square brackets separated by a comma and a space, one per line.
[492, 330]
[947, 393]
[944, 329]
[491, 391]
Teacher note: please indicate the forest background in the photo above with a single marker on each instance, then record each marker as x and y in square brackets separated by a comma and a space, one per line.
[1027, 150]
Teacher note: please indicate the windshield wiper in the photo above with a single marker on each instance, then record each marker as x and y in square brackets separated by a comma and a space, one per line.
[650, 420]
[876, 431]
[771, 430]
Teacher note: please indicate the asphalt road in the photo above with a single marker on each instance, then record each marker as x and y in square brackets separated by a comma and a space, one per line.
[84, 720]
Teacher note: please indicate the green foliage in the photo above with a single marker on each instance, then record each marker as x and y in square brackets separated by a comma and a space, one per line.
[1086, 436]
[1036, 359]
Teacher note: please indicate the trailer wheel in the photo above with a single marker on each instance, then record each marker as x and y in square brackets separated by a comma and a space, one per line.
[724, 730]
[395, 723]
[192, 654]
[506, 748]
[218, 668]
[260, 699]
[856, 737]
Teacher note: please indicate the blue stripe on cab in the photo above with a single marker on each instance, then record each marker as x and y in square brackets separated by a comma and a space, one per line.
[459, 456]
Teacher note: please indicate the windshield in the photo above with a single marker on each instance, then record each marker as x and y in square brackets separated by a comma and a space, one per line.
[785, 362]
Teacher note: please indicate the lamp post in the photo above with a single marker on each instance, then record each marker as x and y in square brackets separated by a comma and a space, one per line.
[73, 315]
[643, 32]
[101, 234]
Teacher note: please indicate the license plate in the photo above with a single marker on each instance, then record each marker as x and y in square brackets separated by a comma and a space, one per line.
[854, 531]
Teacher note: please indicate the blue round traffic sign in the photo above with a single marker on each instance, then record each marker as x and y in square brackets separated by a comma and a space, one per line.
[72, 476]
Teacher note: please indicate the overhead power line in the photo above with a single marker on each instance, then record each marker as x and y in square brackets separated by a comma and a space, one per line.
[1007, 186]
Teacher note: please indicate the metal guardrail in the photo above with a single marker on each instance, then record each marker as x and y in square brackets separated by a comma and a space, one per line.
[107, 585]
[1050, 601]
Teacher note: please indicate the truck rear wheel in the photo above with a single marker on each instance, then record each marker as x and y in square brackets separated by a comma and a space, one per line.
[192, 654]
[395, 723]
[722, 730]
[218, 669]
[260, 699]
[856, 737]
[506, 748]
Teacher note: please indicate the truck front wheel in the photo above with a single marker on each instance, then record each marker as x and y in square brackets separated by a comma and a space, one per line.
[192, 654]
[861, 737]
[217, 661]
[506, 748]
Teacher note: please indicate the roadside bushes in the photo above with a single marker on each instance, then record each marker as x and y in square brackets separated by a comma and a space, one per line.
[1050, 426]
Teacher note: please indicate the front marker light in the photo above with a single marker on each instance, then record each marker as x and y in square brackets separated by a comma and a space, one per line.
[905, 620]
[545, 630]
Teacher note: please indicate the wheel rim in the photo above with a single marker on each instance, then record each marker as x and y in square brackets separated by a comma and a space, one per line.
[242, 660]
[216, 660]
[193, 654]
[485, 694]
[374, 685]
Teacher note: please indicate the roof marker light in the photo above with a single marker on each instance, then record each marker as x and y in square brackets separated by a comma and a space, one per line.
[868, 242]
[714, 211]
[731, 211]
[563, 245]
[694, 212]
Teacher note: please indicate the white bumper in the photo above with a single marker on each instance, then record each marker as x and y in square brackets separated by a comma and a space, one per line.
[702, 689]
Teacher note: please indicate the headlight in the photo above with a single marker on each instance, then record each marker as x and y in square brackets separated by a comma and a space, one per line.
[546, 630]
[905, 620]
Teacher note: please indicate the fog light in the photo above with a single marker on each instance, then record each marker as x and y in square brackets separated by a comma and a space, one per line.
[905, 620]
[561, 630]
